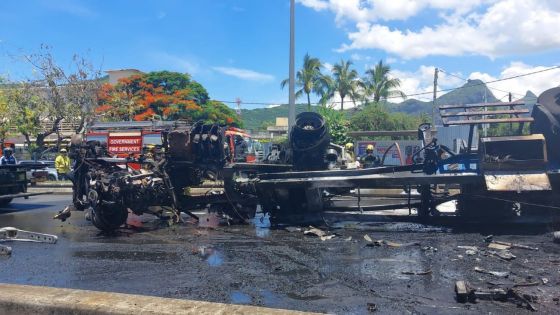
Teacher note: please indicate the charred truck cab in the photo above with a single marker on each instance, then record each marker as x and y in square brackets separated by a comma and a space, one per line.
[505, 177]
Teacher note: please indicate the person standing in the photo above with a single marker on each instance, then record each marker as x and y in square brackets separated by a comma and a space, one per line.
[62, 164]
[8, 157]
[370, 160]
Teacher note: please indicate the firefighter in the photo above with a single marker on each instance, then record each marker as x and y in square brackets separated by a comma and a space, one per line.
[369, 159]
[8, 157]
[350, 152]
[241, 149]
[62, 164]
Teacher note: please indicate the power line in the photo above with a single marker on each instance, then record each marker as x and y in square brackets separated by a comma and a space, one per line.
[423, 93]
[490, 87]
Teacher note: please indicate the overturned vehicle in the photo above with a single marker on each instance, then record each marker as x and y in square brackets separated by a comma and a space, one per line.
[503, 177]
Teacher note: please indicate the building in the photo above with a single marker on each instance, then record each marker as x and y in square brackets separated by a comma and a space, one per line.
[116, 75]
[280, 128]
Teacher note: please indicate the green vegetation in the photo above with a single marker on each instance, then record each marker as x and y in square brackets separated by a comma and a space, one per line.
[162, 95]
[379, 85]
[308, 79]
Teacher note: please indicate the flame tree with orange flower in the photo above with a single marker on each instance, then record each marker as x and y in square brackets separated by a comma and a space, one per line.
[161, 95]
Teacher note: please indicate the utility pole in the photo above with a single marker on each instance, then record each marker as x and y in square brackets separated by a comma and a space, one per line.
[511, 108]
[238, 109]
[292, 98]
[434, 100]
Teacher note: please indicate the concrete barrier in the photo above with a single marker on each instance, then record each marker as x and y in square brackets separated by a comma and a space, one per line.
[25, 299]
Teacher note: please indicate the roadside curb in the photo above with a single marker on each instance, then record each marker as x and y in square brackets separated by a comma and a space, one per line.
[51, 190]
[25, 299]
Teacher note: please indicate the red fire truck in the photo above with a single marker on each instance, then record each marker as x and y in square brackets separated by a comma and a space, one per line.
[134, 137]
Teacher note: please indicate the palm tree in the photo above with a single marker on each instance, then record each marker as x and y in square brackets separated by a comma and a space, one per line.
[346, 81]
[378, 83]
[307, 78]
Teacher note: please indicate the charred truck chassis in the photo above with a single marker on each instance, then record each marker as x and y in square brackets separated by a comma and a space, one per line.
[507, 177]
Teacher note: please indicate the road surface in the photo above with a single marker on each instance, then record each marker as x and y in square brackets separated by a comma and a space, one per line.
[281, 267]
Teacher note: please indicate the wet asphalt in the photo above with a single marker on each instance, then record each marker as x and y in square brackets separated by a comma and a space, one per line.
[282, 267]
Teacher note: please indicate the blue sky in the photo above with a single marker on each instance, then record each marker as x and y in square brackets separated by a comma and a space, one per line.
[239, 48]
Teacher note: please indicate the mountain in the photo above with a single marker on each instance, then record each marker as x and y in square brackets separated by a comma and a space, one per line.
[474, 91]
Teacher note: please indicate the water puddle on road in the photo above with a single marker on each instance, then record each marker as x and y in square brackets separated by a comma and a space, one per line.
[212, 256]
[238, 297]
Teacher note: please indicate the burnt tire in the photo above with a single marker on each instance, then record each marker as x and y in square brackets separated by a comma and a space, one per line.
[109, 218]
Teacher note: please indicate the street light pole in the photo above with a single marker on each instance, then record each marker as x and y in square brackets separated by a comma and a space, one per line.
[292, 98]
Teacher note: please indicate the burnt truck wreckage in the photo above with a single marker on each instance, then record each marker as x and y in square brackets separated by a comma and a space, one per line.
[507, 176]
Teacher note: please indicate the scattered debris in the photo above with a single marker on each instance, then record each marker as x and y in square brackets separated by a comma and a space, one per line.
[417, 273]
[319, 233]
[489, 238]
[556, 237]
[367, 238]
[391, 244]
[503, 254]
[502, 274]
[372, 307]
[348, 239]
[5, 250]
[292, 229]
[429, 248]
[65, 213]
[525, 299]
[498, 246]
[468, 247]
[526, 284]
[544, 280]
[505, 245]
[471, 252]
[315, 232]
[13, 234]
[465, 293]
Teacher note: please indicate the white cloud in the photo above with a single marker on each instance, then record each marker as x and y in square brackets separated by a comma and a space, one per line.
[244, 74]
[315, 4]
[392, 60]
[421, 81]
[482, 27]
[371, 10]
[536, 83]
[70, 7]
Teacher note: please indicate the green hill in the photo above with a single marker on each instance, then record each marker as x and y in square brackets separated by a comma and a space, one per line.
[474, 91]
[254, 118]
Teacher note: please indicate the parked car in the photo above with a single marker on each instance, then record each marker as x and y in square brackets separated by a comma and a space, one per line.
[47, 173]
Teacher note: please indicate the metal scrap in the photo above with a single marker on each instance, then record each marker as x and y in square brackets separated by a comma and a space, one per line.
[319, 233]
[506, 245]
[465, 293]
[498, 246]
[390, 243]
[503, 254]
[13, 234]
[417, 273]
[502, 274]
